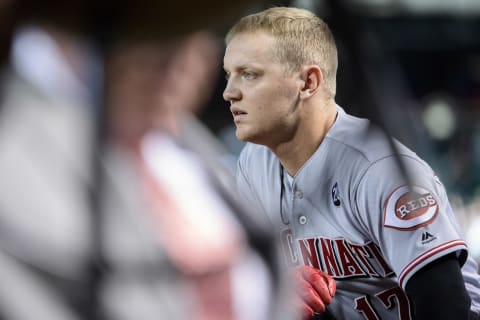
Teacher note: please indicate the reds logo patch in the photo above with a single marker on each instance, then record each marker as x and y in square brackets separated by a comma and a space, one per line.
[410, 208]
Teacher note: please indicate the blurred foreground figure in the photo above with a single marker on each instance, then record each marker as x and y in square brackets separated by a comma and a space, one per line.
[132, 221]
[46, 129]
[153, 89]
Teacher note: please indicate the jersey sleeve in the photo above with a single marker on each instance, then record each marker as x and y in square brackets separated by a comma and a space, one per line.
[411, 220]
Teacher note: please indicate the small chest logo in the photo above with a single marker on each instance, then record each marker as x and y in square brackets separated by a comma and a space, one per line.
[335, 195]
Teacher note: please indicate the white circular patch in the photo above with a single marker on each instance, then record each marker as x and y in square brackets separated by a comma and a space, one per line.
[410, 208]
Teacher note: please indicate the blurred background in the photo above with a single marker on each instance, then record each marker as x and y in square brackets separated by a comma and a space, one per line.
[414, 67]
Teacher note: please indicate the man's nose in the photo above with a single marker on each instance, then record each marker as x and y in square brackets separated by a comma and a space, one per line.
[231, 93]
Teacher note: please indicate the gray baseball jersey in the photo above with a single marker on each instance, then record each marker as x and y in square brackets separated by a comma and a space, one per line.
[349, 212]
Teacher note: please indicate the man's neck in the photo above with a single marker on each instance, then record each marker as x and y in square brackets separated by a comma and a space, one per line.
[310, 134]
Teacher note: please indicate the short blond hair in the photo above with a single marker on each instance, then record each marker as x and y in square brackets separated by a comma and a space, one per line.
[301, 38]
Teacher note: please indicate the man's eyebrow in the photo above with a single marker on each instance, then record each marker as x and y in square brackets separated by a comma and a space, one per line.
[242, 67]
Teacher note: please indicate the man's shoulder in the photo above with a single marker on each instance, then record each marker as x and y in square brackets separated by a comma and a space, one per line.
[365, 139]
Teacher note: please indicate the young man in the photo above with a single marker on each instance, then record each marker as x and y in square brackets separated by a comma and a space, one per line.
[330, 183]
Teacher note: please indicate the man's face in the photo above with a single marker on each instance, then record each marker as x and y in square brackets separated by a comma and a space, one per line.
[262, 95]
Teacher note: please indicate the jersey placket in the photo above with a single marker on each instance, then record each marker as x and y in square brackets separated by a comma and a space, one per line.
[289, 196]
[285, 198]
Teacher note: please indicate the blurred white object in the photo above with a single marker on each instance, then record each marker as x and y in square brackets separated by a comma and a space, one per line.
[473, 238]
[439, 118]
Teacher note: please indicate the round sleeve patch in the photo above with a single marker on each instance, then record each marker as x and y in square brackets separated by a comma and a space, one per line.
[409, 208]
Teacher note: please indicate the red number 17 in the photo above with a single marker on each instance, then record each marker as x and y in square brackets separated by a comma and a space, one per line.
[389, 298]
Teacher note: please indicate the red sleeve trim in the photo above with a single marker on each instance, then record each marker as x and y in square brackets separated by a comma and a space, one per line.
[429, 256]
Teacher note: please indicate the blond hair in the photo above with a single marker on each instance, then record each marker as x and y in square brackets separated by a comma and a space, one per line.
[301, 38]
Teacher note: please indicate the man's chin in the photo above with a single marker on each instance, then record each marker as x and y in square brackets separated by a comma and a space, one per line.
[242, 136]
[243, 139]
[248, 136]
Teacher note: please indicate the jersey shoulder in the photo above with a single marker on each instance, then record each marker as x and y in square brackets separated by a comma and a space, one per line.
[361, 136]
[255, 157]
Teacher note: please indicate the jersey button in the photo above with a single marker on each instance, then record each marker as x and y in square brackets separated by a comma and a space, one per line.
[302, 219]
[299, 194]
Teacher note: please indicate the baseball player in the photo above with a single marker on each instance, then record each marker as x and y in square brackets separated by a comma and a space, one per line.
[330, 183]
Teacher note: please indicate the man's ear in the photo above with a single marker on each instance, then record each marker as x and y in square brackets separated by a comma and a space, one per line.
[312, 81]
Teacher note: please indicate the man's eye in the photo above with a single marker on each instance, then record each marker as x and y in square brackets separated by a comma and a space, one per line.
[249, 75]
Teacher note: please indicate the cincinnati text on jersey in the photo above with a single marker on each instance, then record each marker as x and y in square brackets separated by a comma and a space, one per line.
[337, 257]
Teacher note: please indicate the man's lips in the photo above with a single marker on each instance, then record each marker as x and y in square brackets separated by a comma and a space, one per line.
[237, 113]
